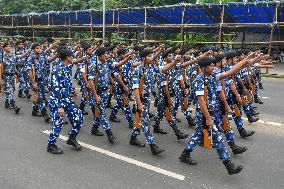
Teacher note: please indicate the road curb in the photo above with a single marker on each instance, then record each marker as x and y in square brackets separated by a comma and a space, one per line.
[279, 76]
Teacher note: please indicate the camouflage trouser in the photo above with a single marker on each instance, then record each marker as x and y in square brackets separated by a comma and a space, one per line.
[145, 122]
[197, 137]
[9, 87]
[162, 100]
[179, 101]
[218, 120]
[102, 119]
[22, 81]
[40, 104]
[119, 104]
[75, 117]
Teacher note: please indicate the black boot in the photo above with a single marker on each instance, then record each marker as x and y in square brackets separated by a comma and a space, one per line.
[36, 113]
[260, 86]
[231, 167]
[254, 113]
[190, 122]
[13, 106]
[110, 136]
[82, 108]
[28, 95]
[185, 157]
[155, 149]
[131, 124]
[21, 95]
[157, 129]
[135, 142]
[134, 109]
[252, 119]
[46, 117]
[73, 142]
[244, 133]
[95, 131]
[113, 118]
[257, 99]
[179, 134]
[52, 148]
[237, 149]
[7, 104]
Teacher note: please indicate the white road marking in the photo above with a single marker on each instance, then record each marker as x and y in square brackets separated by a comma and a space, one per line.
[267, 122]
[126, 159]
[265, 97]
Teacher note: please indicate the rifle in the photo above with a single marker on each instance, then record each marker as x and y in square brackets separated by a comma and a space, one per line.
[207, 139]
[226, 123]
[185, 101]
[35, 95]
[1, 84]
[125, 99]
[138, 113]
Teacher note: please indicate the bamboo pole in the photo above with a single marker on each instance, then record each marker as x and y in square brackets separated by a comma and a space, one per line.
[221, 23]
[91, 24]
[182, 23]
[272, 30]
[145, 23]
[33, 28]
[69, 28]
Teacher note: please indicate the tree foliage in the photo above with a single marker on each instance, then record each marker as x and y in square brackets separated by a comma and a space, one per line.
[26, 6]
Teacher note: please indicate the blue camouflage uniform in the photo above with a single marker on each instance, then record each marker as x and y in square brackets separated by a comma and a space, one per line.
[9, 73]
[60, 97]
[163, 78]
[232, 99]
[197, 135]
[39, 63]
[21, 65]
[125, 71]
[149, 79]
[100, 72]
[220, 108]
[179, 92]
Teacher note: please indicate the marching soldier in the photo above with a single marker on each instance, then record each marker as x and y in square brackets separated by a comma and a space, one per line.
[143, 81]
[9, 77]
[204, 87]
[61, 102]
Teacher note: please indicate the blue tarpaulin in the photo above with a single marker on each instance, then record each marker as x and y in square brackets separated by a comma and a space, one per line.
[190, 16]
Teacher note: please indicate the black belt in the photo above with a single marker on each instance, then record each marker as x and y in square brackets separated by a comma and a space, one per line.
[103, 89]
[9, 74]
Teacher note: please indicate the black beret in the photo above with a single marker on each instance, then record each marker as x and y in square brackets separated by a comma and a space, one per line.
[145, 53]
[219, 58]
[63, 53]
[100, 51]
[121, 51]
[231, 54]
[195, 53]
[18, 42]
[183, 50]
[205, 61]
[35, 45]
[107, 44]
[6, 44]
[136, 48]
[86, 46]
[246, 52]
[166, 53]
[110, 48]
[174, 49]
[48, 39]
[61, 44]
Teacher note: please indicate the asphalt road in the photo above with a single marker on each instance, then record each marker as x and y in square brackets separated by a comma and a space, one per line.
[24, 162]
